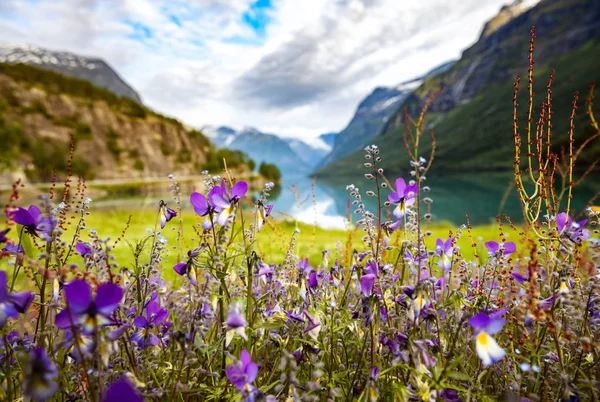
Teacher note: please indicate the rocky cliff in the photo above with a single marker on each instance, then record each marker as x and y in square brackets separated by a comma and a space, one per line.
[114, 137]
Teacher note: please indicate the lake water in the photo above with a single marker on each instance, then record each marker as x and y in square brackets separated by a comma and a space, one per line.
[482, 196]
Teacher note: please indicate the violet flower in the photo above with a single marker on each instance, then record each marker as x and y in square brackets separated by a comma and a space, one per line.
[121, 390]
[203, 208]
[166, 214]
[445, 251]
[155, 316]
[366, 284]
[226, 202]
[14, 248]
[78, 344]
[262, 213]
[3, 238]
[484, 325]
[11, 304]
[572, 230]
[403, 197]
[85, 310]
[83, 249]
[187, 268]
[494, 247]
[33, 221]
[243, 373]
[39, 382]
[236, 322]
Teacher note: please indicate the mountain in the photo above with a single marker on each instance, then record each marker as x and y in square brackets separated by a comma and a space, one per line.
[311, 153]
[259, 146]
[472, 116]
[328, 138]
[372, 114]
[114, 137]
[94, 70]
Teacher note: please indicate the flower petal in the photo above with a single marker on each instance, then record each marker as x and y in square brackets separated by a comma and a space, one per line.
[21, 300]
[3, 288]
[239, 189]
[121, 390]
[108, 298]
[78, 295]
[140, 321]
[400, 186]
[22, 217]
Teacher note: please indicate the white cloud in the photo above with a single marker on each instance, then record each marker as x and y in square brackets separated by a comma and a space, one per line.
[198, 61]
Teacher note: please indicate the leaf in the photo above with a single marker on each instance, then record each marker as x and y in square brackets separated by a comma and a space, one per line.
[26, 243]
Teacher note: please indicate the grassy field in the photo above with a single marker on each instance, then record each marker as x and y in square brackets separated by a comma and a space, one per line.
[273, 240]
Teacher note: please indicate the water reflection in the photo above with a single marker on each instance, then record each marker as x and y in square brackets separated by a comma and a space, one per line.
[482, 196]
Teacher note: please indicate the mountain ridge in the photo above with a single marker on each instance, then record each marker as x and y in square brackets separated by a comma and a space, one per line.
[474, 106]
[92, 69]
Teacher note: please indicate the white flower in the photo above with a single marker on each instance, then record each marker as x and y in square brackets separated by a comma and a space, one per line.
[488, 350]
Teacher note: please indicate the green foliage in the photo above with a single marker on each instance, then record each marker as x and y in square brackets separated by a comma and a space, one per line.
[184, 156]
[48, 157]
[199, 138]
[11, 135]
[165, 148]
[36, 107]
[112, 143]
[138, 165]
[270, 172]
[235, 159]
[133, 153]
[251, 165]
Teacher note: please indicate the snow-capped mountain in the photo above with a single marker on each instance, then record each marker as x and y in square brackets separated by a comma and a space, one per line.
[289, 155]
[95, 70]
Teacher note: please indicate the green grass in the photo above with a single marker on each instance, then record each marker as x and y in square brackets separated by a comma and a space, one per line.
[273, 240]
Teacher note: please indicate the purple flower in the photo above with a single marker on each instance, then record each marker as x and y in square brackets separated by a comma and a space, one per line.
[166, 214]
[403, 197]
[33, 221]
[265, 271]
[11, 304]
[155, 316]
[187, 268]
[305, 269]
[236, 322]
[83, 309]
[85, 344]
[262, 213]
[312, 322]
[572, 230]
[225, 201]
[445, 251]
[203, 208]
[484, 325]
[121, 390]
[83, 249]
[39, 382]
[243, 373]
[450, 395]
[519, 278]
[366, 284]
[3, 238]
[14, 248]
[494, 247]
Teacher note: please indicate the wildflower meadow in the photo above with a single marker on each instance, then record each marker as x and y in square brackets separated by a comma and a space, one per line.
[392, 319]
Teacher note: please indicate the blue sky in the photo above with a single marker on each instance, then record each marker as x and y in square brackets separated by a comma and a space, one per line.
[292, 67]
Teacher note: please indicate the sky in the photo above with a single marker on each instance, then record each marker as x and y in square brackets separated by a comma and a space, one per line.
[297, 68]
